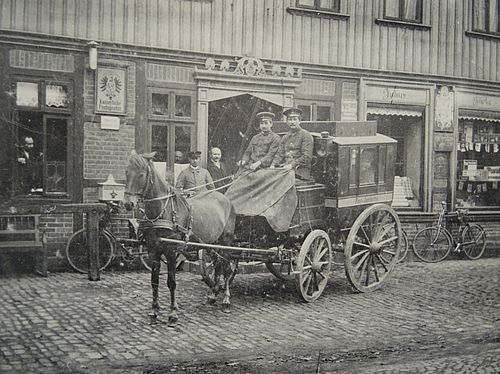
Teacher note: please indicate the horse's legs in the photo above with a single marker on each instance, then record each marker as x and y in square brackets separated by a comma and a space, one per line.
[171, 263]
[226, 303]
[155, 280]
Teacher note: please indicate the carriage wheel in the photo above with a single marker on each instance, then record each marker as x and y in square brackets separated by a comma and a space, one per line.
[372, 247]
[208, 271]
[313, 265]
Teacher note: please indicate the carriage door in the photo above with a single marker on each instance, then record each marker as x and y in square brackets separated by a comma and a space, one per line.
[171, 129]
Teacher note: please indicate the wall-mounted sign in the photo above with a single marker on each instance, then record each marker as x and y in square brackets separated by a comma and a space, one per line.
[444, 109]
[110, 123]
[443, 141]
[110, 90]
[474, 101]
[396, 95]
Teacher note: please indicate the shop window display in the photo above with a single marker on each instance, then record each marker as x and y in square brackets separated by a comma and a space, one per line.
[478, 164]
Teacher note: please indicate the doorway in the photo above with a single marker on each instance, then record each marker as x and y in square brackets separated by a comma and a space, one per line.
[232, 124]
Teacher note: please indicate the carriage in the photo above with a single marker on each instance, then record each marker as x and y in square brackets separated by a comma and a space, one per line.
[343, 212]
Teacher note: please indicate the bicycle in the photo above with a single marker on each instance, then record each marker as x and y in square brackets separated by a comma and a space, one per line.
[110, 246]
[434, 243]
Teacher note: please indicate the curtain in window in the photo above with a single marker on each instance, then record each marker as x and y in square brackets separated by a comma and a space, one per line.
[410, 10]
[480, 15]
[392, 8]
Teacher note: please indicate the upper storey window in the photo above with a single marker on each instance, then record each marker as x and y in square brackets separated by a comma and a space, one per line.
[328, 5]
[403, 10]
[485, 16]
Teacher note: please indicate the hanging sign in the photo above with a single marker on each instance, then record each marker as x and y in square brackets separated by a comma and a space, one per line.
[111, 89]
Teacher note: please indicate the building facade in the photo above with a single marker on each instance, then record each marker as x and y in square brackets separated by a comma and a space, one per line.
[90, 80]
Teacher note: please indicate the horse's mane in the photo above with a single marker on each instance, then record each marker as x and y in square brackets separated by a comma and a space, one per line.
[138, 161]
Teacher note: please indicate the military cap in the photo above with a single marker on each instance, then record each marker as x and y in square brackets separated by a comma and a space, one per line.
[293, 112]
[267, 115]
[194, 155]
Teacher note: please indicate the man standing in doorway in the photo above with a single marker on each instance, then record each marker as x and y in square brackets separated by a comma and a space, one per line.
[218, 170]
[194, 179]
[263, 146]
[296, 147]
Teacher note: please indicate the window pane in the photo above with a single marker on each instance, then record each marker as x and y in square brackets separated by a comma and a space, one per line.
[27, 94]
[478, 166]
[368, 165]
[480, 15]
[56, 96]
[352, 167]
[29, 156]
[329, 4]
[159, 142]
[392, 8]
[411, 11]
[307, 3]
[494, 15]
[182, 143]
[57, 140]
[306, 112]
[382, 163]
[182, 106]
[323, 113]
[159, 104]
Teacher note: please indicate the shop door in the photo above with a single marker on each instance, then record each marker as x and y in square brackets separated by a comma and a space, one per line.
[232, 124]
[409, 133]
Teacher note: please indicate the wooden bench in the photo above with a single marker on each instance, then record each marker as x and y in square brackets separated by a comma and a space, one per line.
[20, 233]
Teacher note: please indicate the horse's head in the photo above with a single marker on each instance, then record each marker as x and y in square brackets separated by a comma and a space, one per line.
[139, 176]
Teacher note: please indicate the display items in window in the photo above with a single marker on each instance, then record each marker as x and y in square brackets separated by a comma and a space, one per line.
[478, 164]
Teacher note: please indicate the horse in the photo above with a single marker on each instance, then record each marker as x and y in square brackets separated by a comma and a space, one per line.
[206, 218]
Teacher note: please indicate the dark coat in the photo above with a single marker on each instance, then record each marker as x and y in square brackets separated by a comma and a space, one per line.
[218, 173]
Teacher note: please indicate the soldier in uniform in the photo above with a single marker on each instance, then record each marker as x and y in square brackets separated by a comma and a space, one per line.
[194, 178]
[296, 147]
[263, 146]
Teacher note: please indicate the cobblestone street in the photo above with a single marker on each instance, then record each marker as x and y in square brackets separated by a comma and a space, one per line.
[64, 323]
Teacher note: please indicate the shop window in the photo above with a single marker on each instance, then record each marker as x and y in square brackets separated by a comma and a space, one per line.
[408, 130]
[56, 96]
[42, 150]
[182, 106]
[403, 10]
[486, 14]
[329, 5]
[159, 104]
[478, 166]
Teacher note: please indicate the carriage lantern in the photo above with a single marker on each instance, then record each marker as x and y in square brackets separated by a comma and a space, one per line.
[110, 190]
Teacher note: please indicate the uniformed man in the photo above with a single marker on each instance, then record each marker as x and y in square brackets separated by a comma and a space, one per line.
[296, 147]
[263, 146]
[194, 178]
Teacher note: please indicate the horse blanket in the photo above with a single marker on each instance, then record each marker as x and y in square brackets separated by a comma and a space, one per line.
[266, 192]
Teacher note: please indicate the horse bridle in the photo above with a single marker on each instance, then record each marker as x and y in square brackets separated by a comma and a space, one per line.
[149, 180]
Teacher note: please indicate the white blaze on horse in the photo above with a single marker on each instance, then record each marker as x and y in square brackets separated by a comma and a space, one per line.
[208, 217]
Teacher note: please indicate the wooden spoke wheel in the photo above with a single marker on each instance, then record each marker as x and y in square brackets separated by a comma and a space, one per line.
[372, 247]
[313, 265]
[212, 268]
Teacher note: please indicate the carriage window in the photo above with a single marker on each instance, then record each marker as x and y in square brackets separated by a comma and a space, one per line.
[352, 168]
[382, 162]
[368, 165]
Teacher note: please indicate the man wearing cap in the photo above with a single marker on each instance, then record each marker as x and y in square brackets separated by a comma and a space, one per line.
[194, 178]
[296, 147]
[263, 146]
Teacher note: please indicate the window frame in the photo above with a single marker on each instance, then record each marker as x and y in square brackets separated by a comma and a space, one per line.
[44, 112]
[172, 93]
[313, 104]
[317, 6]
[487, 18]
[418, 18]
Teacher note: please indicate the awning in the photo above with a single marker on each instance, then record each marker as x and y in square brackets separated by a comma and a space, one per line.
[394, 112]
[479, 115]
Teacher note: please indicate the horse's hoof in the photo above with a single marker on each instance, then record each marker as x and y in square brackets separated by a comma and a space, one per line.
[156, 307]
[153, 318]
[226, 308]
[211, 300]
[172, 321]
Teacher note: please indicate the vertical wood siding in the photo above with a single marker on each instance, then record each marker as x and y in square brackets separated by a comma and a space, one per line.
[264, 28]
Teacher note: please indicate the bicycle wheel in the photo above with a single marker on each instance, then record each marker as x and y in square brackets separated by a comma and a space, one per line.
[77, 251]
[473, 241]
[404, 247]
[431, 244]
[147, 263]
